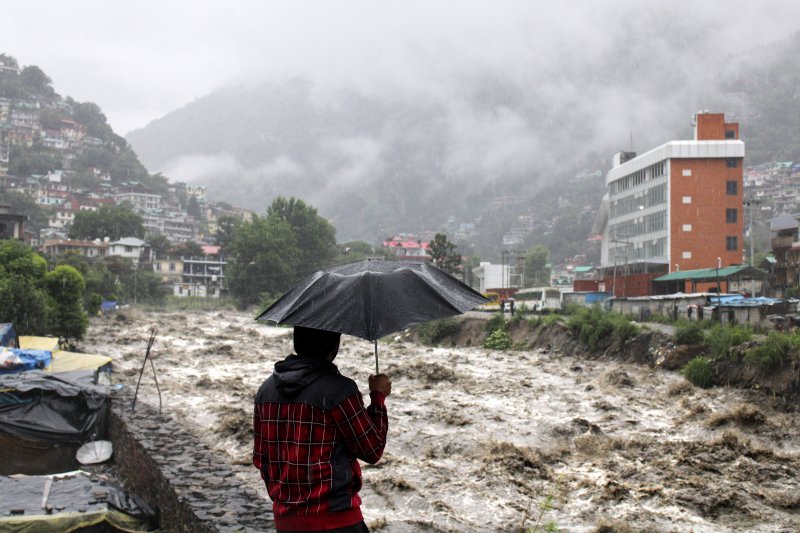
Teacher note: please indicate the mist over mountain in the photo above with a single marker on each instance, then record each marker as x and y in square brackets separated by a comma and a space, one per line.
[397, 156]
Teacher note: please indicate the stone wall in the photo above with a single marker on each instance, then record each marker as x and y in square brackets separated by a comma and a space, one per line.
[169, 469]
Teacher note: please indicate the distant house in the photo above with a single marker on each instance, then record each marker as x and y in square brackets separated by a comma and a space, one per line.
[11, 224]
[129, 247]
[170, 270]
[203, 276]
[406, 248]
[90, 249]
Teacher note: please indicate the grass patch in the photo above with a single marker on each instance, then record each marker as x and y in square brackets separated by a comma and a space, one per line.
[497, 322]
[437, 330]
[592, 325]
[699, 372]
[688, 333]
[721, 338]
[772, 353]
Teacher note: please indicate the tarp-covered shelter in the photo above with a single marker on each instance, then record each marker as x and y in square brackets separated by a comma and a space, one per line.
[76, 502]
[45, 418]
[8, 335]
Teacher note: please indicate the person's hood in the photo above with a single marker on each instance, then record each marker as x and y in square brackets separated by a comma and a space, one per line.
[295, 373]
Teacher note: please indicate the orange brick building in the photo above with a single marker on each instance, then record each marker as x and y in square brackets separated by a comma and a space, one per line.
[678, 206]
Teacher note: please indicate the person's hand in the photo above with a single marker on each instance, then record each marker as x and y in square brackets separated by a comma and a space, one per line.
[380, 383]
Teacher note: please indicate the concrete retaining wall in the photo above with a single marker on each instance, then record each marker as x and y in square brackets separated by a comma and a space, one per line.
[168, 468]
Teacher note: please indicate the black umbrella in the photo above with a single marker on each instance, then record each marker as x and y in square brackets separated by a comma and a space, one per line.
[371, 299]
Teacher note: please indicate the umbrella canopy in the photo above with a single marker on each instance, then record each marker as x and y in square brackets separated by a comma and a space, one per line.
[371, 299]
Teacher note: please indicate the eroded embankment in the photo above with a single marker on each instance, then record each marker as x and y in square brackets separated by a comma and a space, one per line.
[780, 386]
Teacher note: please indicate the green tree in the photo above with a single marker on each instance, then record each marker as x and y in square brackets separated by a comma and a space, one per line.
[537, 273]
[36, 81]
[314, 237]
[66, 286]
[160, 245]
[271, 252]
[444, 255]
[264, 260]
[188, 249]
[129, 281]
[113, 222]
[23, 299]
[227, 226]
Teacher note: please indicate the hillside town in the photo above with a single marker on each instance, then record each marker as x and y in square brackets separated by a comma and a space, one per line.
[64, 159]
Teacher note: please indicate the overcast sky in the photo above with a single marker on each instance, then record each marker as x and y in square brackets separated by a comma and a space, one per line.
[140, 60]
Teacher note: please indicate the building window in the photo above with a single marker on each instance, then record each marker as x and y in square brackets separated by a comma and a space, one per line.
[731, 188]
[732, 243]
[172, 267]
[686, 255]
[731, 216]
[687, 199]
[731, 162]
[730, 134]
[687, 227]
[158, 267]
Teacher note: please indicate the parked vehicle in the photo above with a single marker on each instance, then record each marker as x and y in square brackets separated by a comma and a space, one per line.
[538, 299]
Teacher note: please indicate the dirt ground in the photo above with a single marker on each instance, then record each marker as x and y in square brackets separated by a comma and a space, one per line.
[495, 441]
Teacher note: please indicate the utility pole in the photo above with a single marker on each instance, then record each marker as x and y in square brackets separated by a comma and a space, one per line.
[750, 203]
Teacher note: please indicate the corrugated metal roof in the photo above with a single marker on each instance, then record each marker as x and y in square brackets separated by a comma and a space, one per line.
[582, 269]
[703, 273]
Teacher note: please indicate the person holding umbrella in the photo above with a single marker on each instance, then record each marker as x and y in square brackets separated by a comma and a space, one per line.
[311, 427]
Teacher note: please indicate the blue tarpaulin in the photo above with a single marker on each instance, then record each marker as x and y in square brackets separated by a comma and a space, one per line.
[8, 335]
[16, 360]
[108, 305]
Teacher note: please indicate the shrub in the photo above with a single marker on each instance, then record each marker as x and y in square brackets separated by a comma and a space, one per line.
[497, 322]
[698, 371]
[434, 332]
[688, 333]
[720, 339]
[549, 320]
[772, 353]
[624, 329]
[593, 324]
[498, 340]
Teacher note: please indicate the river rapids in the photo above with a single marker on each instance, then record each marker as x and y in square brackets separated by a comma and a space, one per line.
[483, 440]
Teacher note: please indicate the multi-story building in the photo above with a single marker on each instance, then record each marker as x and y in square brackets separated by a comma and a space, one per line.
[786, 250]
[11, 223]
[140, 200]
[203, 276]
[678, 206]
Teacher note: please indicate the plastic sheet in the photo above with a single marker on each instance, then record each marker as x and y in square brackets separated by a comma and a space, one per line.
[76, 501]
[19, 360]
[60, 408]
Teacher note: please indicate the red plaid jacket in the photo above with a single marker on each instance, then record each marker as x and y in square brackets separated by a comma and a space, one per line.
[310, 428]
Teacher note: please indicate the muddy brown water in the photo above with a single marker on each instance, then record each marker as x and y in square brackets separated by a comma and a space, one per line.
[495, 441]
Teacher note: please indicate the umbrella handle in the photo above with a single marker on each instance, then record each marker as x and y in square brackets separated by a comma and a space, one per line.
[376, 357]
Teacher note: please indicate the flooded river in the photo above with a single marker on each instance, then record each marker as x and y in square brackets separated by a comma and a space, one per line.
[495, 441]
